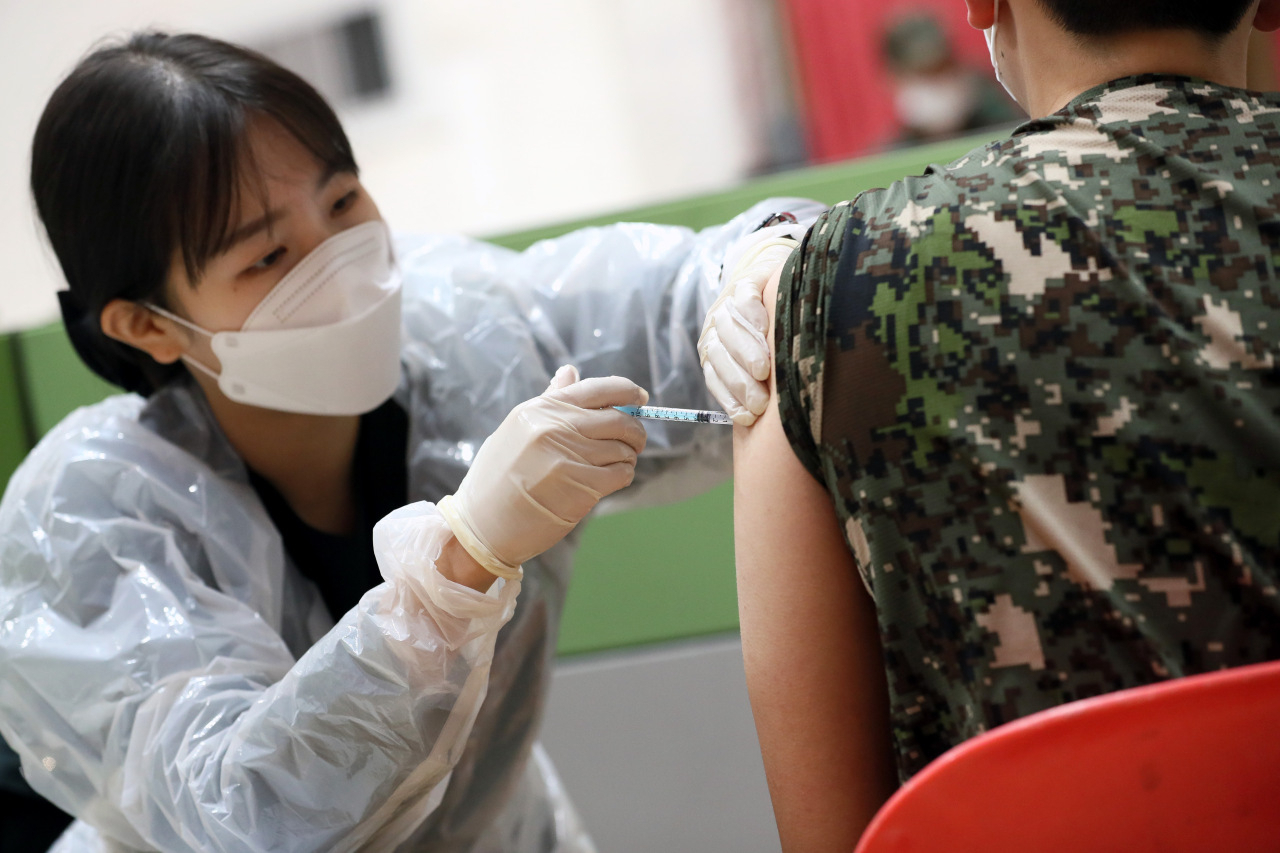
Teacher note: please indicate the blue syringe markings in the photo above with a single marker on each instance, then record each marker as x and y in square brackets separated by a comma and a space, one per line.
[662, 413]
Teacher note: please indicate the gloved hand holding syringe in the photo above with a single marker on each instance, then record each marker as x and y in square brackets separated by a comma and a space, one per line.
[733, 347]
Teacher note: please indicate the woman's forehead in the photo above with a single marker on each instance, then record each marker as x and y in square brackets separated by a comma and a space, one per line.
[274, 155]
[274, 164]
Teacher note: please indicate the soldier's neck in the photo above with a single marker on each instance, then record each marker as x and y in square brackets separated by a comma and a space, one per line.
[1056, 76]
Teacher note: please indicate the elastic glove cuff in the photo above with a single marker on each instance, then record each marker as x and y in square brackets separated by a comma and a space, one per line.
[736, 266]
[736, 256]
[455, 516]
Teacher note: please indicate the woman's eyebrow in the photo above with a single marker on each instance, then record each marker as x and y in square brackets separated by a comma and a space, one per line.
[249, 229]
[327, 174]
[252, 227]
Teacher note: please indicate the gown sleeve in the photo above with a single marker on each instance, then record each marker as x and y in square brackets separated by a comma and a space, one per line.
[147, 688]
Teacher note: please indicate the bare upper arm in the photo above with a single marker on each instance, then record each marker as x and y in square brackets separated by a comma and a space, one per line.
[810, 643]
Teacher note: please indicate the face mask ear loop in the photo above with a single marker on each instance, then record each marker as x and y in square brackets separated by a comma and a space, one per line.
[991, 41]
[186, 359]
[990, 34]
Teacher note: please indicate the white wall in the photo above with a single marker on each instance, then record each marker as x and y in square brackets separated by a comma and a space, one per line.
[506, 113]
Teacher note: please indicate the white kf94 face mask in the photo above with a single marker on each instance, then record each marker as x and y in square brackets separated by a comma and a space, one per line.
[325, 340]
[990, 33]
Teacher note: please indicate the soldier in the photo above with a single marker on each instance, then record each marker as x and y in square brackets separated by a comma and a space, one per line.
[1024, 442]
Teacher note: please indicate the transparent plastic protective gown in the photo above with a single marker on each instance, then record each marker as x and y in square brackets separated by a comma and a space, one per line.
[168, 675]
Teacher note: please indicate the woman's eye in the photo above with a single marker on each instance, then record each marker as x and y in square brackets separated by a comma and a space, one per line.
[345, 203]
[268, 261]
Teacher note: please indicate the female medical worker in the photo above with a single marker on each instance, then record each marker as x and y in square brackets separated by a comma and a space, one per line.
[198, 649]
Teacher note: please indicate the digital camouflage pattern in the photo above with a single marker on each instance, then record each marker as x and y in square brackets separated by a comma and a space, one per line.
[1041, 385]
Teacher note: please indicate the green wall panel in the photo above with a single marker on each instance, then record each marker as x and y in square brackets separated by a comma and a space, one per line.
[56, 380]
[654, 574]
[13, 428]
[828, 184]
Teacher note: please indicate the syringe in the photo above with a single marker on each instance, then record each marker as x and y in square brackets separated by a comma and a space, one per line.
[693, 416]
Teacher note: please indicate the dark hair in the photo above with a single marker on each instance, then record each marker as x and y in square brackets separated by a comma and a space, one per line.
[138, 156]
[1107, 17]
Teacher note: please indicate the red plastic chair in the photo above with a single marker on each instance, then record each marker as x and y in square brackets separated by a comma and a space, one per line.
[1191, 764]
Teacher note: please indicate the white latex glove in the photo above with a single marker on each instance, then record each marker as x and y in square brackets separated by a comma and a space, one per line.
[544, 468]
[733, 349]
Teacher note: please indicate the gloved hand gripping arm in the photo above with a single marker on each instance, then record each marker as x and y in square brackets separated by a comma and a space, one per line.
[733, 348]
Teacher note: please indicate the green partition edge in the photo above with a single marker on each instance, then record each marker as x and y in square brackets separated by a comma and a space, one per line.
[14, 439]
[653, 575]
[828, 184]
[644, 576]
[56, 380]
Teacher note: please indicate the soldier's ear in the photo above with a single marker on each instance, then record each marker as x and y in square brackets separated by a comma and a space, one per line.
[1267, 18]
[982, 13]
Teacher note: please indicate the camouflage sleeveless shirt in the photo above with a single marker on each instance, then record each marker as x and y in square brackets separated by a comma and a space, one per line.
[1041, 386]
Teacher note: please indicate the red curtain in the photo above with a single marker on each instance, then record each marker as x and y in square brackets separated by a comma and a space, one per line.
[845, 87]
[847, 93]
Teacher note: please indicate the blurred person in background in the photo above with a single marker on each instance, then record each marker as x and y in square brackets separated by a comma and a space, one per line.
[937, 96]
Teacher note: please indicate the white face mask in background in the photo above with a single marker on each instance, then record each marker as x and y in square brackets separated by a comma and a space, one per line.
[325, 340]
[940, 104]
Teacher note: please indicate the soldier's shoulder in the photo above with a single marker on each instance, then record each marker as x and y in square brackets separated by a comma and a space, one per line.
[968, 180]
